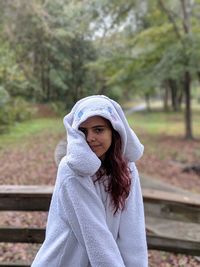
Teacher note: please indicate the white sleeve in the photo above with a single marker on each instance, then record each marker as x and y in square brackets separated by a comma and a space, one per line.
[85, 213]
[132, 235]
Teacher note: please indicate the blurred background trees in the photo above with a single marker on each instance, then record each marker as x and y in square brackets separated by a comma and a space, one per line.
[61, 50]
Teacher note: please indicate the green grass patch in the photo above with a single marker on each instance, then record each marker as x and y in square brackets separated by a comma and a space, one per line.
[152, 123]
[21, 131]
[159, 122]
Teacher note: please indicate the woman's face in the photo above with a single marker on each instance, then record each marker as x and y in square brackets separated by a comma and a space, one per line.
[98, 133]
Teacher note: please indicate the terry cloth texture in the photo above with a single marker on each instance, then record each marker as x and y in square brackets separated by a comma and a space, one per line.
[80, 157]
[82, 230]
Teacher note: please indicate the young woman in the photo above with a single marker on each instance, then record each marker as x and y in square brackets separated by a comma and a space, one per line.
[96, 216]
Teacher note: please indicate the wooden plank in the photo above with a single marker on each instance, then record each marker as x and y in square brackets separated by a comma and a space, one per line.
[157, 203]
[22, 235]
[172, 206]
[13, 191]
[172, 211]
[158, 195]
[28, 203]
[157, 242]
[173, 245]
[14, 264]
[24, 190]
[173, 228]
[46, 191]
[25, 198]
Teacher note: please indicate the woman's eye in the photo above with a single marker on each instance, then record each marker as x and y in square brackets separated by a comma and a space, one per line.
[99, 130]
[83, 130]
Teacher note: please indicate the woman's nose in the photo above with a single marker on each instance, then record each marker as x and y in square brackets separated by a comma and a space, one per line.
[90, 137]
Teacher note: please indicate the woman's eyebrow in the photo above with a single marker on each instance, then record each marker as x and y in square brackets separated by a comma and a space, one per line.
[95, 126]
[98, 126]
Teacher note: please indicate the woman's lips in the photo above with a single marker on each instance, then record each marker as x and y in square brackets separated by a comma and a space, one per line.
[93, 147]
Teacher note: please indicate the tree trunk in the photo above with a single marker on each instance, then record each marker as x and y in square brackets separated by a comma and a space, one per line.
[188, 114]
[173, 89]
[48, 84]
[187, 76]
[43, 81]
[186, 25]
[198, 75]
[180, 99]
[166, 97]
[147, 100]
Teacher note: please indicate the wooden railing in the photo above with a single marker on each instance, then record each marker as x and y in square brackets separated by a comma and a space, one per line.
[158, 204]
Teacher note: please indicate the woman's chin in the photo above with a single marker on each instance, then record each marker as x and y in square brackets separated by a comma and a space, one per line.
[101, 157]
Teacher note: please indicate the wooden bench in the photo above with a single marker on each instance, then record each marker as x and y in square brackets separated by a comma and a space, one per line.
[158, 204]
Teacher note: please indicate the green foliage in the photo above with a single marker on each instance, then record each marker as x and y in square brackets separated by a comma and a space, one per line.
[14, 110]
[4, 97]
[59, 108]
[179, 58]
[11, 77]
[21, 110]
[115, 92]
[63, 50]
[5, 118]
[50, 54]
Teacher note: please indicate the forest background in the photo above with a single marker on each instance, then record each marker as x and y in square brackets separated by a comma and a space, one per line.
[54, 52]
[59, 51]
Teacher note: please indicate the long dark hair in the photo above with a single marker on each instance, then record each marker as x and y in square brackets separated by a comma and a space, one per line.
[116, 167]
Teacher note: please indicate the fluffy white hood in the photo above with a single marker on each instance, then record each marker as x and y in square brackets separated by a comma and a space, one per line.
[79, 155]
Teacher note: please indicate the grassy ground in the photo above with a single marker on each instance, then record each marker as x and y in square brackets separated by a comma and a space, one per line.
[154, 123]
[159, 122]
[22, 131]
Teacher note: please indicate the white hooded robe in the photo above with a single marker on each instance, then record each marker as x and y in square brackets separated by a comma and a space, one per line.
[82, 229]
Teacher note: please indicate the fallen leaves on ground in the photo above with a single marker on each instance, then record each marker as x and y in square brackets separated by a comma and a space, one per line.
[165, 157]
